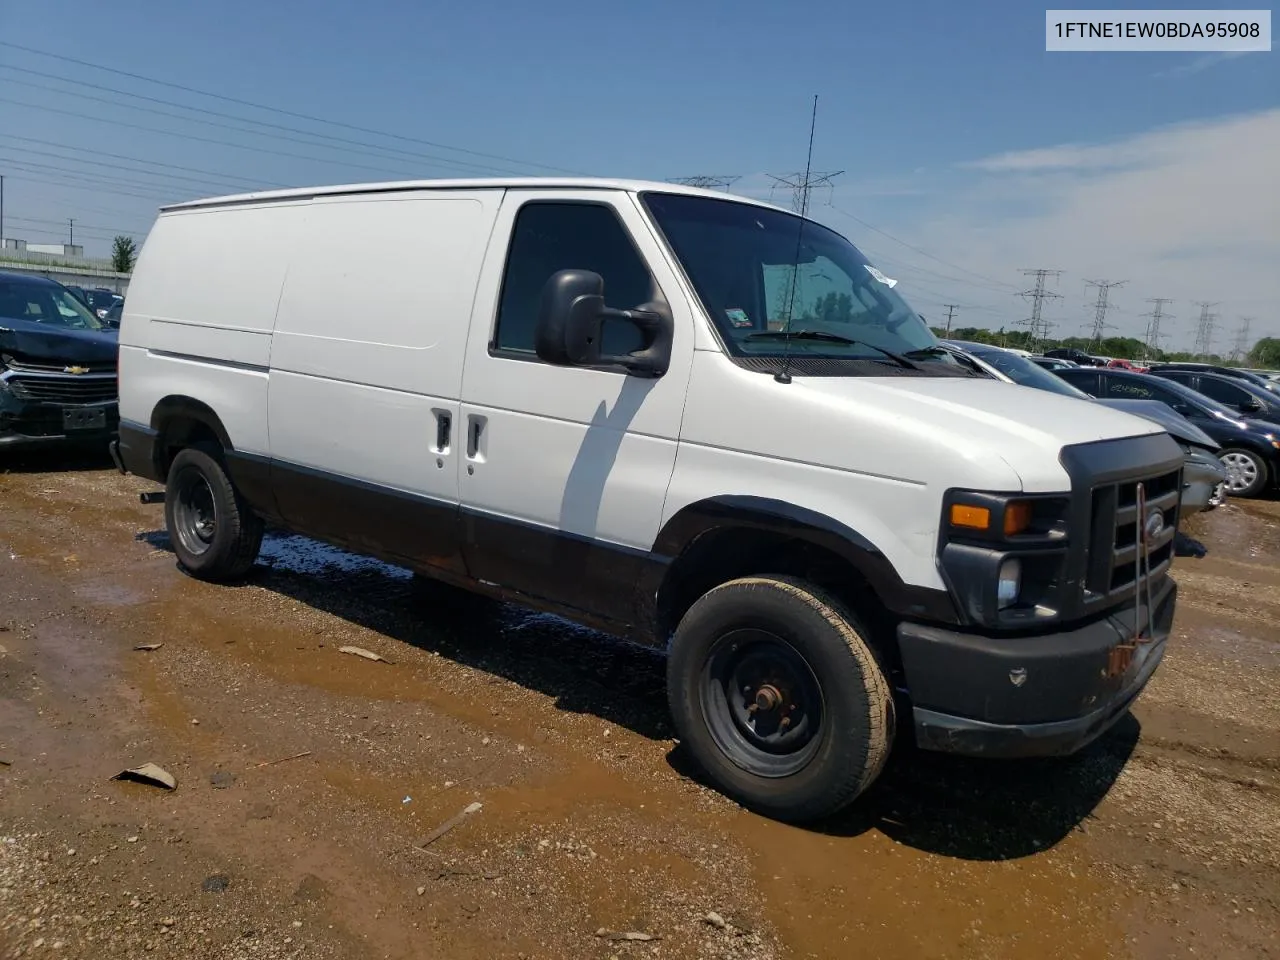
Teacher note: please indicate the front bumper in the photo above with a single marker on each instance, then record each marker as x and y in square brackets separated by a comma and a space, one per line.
[34, 424]
[1047, 695]
[1202, 474]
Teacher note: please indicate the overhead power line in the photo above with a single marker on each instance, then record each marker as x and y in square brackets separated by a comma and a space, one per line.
[1002, 285]
[88, 227]
[21, 163]
[153, 163]
[364, 154]
[903, 265]
[197, 139]
[363, 148]
[281, 111]
[96, 164]
[706, 182]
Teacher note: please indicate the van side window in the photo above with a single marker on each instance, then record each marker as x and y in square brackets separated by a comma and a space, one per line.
[553, 236]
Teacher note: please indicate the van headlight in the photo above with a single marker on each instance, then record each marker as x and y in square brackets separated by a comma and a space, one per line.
[1009, 584]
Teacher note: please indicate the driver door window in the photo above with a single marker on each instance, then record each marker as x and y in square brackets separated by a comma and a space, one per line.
[1226, 393]
[554, 236]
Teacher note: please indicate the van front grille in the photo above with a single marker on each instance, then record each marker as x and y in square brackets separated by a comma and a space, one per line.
[1114, 551]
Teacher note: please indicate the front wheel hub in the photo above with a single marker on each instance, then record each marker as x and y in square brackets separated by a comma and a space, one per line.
[762, 703]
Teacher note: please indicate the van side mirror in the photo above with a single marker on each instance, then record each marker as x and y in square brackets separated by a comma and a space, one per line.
[1252, 405]
[570, 327]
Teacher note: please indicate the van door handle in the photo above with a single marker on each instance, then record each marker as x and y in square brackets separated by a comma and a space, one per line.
[444, 424]
[475, 437]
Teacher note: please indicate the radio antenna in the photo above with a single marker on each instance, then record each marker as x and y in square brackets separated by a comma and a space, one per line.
[783, 376]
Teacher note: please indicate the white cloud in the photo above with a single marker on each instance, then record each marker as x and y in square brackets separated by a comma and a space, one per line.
[1190, 212]
[1203, 62]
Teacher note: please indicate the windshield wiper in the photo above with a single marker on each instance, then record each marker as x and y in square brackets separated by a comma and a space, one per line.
[927, 352]
[829, 338]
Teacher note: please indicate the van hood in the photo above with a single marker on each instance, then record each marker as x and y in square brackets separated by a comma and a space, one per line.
[28, 340]
[963, 432]
[985, 420]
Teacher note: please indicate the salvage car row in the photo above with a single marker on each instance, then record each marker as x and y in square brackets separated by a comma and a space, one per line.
[610, 406]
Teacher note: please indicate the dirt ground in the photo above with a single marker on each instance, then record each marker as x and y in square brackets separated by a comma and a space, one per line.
[308, 779]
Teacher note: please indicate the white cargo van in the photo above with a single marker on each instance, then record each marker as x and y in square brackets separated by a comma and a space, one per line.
[693, 420]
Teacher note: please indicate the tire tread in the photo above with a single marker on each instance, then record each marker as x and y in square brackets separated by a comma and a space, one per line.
[244, 527]
[880, 721]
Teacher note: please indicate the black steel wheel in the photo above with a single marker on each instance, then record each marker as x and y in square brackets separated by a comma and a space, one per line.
[761, 703]
[214, 533]
[194, 516]
[779, 698]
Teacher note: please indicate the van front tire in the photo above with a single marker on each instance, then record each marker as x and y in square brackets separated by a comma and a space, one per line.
[778, 697]
[213, 532]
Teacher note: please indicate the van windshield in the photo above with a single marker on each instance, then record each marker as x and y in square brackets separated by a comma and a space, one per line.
[760, 275]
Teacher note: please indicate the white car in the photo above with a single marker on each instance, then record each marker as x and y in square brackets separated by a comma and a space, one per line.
[694, 420]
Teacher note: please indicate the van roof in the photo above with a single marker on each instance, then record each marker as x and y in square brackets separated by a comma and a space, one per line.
[530, 183]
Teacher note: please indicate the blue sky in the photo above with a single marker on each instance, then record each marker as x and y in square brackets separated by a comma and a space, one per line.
[949, 120]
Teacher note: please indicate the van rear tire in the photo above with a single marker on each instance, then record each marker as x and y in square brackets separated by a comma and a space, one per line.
[794, 652]
[213, 531]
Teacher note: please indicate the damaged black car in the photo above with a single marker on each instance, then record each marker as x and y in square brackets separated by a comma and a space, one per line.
[57, 366]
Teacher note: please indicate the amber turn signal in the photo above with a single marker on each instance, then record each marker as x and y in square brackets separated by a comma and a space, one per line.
[1017, 517]
[975, 518]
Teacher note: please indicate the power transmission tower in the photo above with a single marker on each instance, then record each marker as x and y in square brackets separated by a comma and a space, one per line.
[1241, 349]
[1153, 324]
[706, 182]
[801, 186]
[1205, 327]
[1036, 324]
[1101, 306]
[951, 309]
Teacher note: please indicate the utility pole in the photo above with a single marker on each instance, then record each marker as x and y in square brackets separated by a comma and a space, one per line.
[1, 211]
[1100, 307]
[1036, 323]
[1241, 349]
[71, 226]
[951, 309]
[1153, 324]
[1204, 328]
[706, 182]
